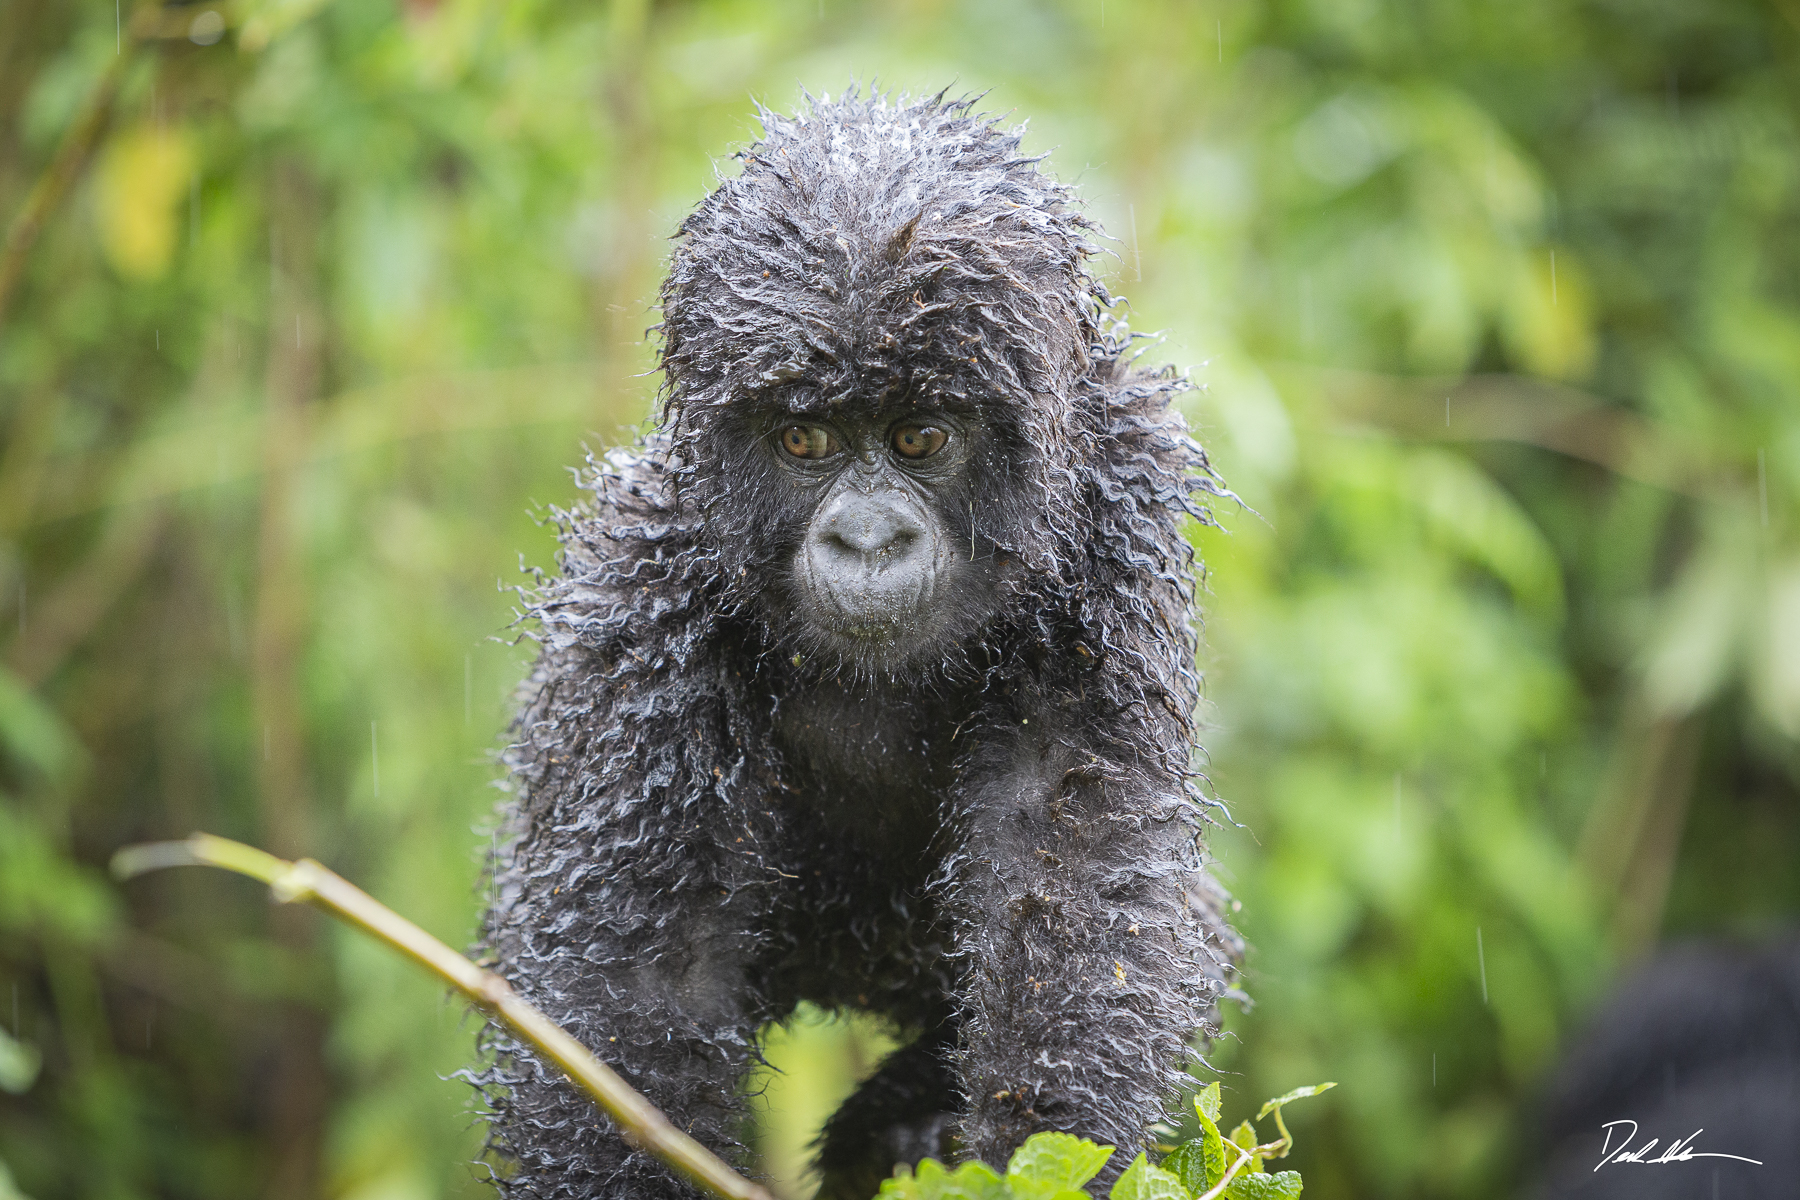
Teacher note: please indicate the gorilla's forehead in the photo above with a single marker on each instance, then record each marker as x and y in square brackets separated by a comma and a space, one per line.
[868, 360]
[865, 403]
[872, 253]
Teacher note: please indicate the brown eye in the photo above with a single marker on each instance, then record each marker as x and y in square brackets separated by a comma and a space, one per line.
[919, 441]
[808, 441]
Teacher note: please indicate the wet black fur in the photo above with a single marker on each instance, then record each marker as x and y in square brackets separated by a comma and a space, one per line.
[992, 838]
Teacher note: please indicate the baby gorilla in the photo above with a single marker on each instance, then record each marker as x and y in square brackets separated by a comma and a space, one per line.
[868, 680]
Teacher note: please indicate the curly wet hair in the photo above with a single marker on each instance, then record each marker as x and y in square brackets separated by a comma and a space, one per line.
[979, 818]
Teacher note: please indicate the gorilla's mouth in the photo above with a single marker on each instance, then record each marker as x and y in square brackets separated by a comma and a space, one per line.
[878, 599]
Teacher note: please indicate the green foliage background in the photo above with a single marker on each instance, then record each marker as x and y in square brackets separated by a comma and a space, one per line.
[1497, 308]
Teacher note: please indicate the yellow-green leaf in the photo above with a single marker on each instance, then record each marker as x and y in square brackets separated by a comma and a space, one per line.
[1207, 1102]
[1141, 1181]
[1299, 1093]
[1285, 1186]
[1244, 1137]
[1049, 1163]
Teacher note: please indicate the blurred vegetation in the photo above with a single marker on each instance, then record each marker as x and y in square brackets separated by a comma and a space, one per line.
[305, 306]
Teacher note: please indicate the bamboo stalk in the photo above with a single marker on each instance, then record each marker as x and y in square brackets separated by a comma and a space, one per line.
[306, 881]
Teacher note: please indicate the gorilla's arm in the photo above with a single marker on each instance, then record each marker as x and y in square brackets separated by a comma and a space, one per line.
[630, 886]
[1095, 946]
[1085, 920]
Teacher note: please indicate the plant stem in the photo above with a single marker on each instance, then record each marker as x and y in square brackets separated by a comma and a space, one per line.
[1218, 1189]
[1286, 1141]
[639, 1121]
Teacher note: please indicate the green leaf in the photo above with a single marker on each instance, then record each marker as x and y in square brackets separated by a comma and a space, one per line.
[1212, 1153]
[1049, 1163]
[1141, 1181]
[1244, 1137]
[1199, 1163]
[1207, 1102]
[1299, 1093]
[970, 1181]
[1186, 1163]
[19, 1063]
[1285, 1186]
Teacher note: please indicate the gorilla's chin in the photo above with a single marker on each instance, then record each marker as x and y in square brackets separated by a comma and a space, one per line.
[869, 615]
[876, 607]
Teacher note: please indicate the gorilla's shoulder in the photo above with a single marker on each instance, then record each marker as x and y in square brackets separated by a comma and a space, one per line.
[627, 554]
[1145, 468]
[628, 501]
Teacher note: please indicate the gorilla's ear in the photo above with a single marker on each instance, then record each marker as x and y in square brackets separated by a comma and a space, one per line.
[901, 242]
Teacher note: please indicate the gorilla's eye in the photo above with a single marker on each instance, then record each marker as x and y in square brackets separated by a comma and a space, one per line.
[808, 441]
[919, 441]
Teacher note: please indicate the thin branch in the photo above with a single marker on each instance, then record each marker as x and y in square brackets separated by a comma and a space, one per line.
[306, 881]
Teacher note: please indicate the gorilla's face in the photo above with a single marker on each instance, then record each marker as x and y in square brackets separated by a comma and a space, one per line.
[889, 567]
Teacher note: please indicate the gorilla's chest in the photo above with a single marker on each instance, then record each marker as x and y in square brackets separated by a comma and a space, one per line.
[867, 763]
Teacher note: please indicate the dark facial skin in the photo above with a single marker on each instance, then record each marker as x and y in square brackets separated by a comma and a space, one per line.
[886, 571]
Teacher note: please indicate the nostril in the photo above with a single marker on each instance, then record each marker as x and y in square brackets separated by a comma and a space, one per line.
[868, 533]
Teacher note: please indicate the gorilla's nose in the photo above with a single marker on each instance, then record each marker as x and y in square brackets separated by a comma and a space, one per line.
[869, 530]
[870, 561]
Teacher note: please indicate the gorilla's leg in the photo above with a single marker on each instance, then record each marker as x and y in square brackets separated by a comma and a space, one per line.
[904, 1113]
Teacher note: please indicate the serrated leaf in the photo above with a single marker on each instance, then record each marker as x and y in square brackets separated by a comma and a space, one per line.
[1297, 1094]
[1285, 1186]
[1212, 1151]
[1207, 1102]
[1049, 1163]
[1185, 1162]
[901, 1185]
[1141, 1181]
[1199, 1163]
[975, 1181]
[970, 1181]
[1244, 1137]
